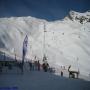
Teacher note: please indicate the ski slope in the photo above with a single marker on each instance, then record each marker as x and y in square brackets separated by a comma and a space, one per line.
[39, 80]
[66, 41]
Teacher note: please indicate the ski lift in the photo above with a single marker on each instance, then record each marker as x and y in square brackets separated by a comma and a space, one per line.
[44, 55]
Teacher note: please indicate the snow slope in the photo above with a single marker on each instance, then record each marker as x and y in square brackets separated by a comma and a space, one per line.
[66, 41]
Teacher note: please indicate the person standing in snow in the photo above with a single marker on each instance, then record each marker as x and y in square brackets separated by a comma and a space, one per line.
[33, 66]
[45, 66]
[38, 63]
[30, 65]
[61, 73]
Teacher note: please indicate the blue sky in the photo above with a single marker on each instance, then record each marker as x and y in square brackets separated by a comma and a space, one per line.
[45, 9]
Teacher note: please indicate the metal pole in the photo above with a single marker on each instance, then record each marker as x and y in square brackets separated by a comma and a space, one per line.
[44, 48]
[78, 63]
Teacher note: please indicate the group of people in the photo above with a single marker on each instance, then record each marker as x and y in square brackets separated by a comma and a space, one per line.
[36, 65]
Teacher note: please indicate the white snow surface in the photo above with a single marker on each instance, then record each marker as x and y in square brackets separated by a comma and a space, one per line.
[39, 80]
[67, 42]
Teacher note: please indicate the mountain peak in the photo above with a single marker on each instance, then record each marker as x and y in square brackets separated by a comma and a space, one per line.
[80, 17]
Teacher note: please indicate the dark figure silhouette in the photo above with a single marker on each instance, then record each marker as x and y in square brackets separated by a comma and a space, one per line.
[30, 65]
[61, 73]
[38, 63]
[45, 66]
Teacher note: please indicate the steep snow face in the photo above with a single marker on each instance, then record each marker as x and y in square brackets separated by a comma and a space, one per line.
[13, 31]
[66, 42]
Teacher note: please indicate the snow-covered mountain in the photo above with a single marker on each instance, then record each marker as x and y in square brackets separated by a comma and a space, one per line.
[66, 41]
[80, 17]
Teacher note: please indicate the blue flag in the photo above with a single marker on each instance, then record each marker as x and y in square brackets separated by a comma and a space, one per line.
[25, 42]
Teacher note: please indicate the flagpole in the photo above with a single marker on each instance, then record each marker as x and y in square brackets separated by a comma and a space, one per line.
[24, 51]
